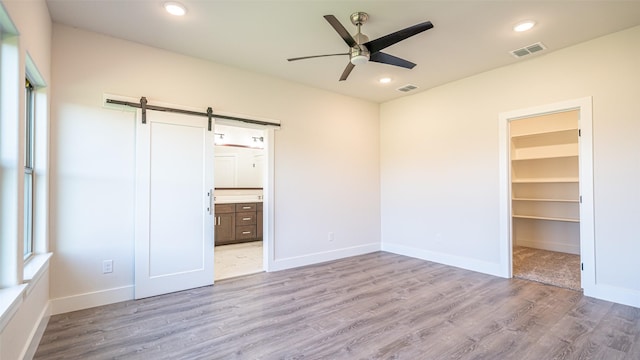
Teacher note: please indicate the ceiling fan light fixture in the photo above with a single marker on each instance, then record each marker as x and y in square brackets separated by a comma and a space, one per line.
[359, 55]
[524, 26]
[175, 8]
[359, 59]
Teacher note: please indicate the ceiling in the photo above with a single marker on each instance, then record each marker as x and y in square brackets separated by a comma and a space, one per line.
[468, 37]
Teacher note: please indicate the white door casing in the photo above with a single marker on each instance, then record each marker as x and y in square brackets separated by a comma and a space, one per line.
[173, 210]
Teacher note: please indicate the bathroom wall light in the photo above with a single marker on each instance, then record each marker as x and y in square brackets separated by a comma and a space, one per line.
[175, 8]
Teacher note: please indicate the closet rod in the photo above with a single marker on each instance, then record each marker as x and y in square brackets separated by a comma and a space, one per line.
[187, 112]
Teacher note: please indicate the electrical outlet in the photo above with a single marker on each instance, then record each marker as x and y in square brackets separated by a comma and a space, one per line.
[107, 266]
[331, 236]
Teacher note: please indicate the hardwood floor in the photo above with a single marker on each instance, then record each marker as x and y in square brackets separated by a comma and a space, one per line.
[375, 306]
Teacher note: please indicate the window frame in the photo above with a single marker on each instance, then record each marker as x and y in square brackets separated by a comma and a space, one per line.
[29, 171]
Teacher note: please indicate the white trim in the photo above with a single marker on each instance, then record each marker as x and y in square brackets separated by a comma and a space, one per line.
[587, 216]
[616, 294]
[6, 25]
[36, 333]
[33, 74]
[466, 263]
[551, 246]
[91, 299]
[319, 257]
[587, 236]
[35, 267]
[10, 300]
[268, 203]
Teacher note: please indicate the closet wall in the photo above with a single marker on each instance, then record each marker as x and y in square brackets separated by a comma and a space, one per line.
[545, 187]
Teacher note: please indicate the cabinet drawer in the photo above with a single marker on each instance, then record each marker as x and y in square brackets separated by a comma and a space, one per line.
[225, 208]
[246, 207]
[245, 218]
[245, 232]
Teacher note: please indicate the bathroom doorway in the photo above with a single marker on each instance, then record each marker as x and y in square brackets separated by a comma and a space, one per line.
[239, 199]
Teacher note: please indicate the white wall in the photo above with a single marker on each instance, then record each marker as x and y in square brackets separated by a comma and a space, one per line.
[439, 162]
[326, 159]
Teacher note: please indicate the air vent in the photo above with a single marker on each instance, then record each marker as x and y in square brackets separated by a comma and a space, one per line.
[407, 88]
[528, 50]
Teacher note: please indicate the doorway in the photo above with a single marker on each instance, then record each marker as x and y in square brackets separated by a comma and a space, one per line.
[547, 194]
[239, 201]
[174, 194]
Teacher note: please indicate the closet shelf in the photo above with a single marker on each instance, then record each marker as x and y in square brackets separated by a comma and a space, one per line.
[545, 164]
[546, 218]
[526, 158]
[558, 135]
[545, 180]
[546, 200]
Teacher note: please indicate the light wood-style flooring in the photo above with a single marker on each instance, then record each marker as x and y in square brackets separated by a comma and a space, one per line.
[374, 306]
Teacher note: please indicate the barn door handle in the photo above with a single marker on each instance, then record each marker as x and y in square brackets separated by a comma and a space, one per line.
[210, 194]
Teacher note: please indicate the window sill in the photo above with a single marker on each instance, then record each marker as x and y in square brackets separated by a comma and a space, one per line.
[11, 298]
[36, 265]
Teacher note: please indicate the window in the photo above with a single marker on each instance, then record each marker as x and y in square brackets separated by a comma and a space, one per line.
[28, 168]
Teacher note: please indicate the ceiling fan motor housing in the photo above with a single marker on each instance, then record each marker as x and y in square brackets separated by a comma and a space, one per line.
[359, 54]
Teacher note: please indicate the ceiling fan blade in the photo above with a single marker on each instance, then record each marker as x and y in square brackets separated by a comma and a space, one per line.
[347, 71]
[344, 34]
[385, 58]
[380, 43]
[315, 56]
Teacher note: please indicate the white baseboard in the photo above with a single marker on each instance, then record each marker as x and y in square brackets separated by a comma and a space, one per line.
[37, 332]
[446, 259]
[550, 246]
[91, 299]
[315, 258]
[614, 294]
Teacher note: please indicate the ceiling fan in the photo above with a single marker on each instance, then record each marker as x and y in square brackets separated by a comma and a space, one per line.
[362, 50]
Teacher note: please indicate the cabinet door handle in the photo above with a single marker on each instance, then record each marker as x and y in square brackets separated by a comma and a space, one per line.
[246, 219]
[246, 207]
[246, 232]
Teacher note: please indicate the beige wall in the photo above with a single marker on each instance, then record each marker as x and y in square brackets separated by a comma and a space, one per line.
[326, 159]
[439, 162]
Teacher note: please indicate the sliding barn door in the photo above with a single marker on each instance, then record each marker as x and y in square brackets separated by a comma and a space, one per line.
[174, 218]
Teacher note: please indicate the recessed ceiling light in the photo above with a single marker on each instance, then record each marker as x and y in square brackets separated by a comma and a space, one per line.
[524, 26]
[384, 80]
[175, 8]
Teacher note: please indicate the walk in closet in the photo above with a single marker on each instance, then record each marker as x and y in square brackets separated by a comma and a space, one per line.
[545, 187]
